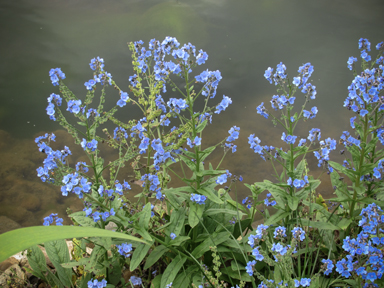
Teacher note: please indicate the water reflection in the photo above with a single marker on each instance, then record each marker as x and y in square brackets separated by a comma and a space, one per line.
[242, 39]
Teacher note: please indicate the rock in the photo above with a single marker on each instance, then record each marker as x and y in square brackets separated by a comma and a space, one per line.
[7, 224]
[14, 274]
[8, 263]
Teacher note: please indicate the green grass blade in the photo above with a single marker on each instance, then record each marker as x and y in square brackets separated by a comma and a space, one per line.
[17, 240]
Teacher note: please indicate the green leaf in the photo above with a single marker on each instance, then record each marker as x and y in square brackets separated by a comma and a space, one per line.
[177, 221]
[213, 172]
[344, 223]
[155, 255]
[138, 255]
[235, 275]
[236, 205]
[114, 274]
[172, 270]
[156, 282]
[58, 253]
[195, 213]
[37, 262]
[184, 278]
[82, 123]
[210, 194]
[217, 237]
[178, 240]
[318, 225]
[80, 218]
[211, 212]
[145, 216]
[204, 154]
[277, 217]
[201, 126]
[293, 202]
[15, 241]
[299, 169]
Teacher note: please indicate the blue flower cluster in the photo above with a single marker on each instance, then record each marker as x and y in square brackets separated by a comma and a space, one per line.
[297, 183]
[248, 202]
[154, 183]
[233, 135]
[326, 147]
[266, 200]
[53, 100]
[96, 215]
[120, 188]
[75, 183]
[51, 218]
[135, 280]
[123, 99]
[74, 106]
[96, 284]
[194, 142]
[54, 157]
[365, 88]
[223, 178]
[254, 142]
[289, 139]
[365, 258]
[199, 199]
[90, 145]
[223, 104]
[124, 249]
[279, 102]
[56, 74]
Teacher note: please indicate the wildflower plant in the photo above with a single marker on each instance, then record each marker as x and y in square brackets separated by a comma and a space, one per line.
[196, 235]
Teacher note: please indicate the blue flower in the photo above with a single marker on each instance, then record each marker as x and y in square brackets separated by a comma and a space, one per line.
[249, 267]
[305, 282]
[350, 62]
[199, 199]
[328, 266]
[280, 232]
[89, 85]
[310, 90]
[195, 142]
[290, 139]
[365, 56]
[96, 284]
[256, 253]
[296, 81]
[97, 63]
[313, 134]
[135, 280]
[144, 145]
[124, 249]
[262, 111]
[221, 179]
[74, 106]
[91, 145]
[298, 233]
[123, 99]
[234, 134]
[223, 104]
[364, 44]
[310, 114]
[53, 218]
[56, 74]
[247, 202]
[173, 236]
[201, 57]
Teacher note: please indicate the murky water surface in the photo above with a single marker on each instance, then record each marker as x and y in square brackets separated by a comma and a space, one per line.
[242, 38]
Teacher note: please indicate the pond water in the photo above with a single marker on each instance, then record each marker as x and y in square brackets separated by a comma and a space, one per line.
[243, 38]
